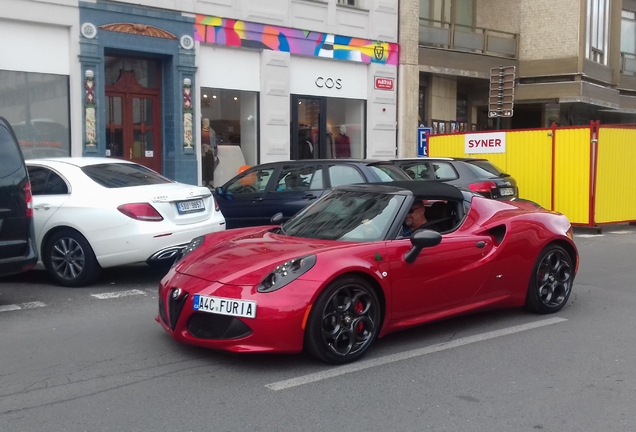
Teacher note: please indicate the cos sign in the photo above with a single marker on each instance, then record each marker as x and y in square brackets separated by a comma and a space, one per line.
[329, 83]
[383, 83]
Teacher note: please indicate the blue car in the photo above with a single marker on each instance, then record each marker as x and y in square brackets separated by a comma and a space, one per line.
[255, 195]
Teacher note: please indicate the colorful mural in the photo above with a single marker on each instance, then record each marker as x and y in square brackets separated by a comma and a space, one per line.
[228, 32]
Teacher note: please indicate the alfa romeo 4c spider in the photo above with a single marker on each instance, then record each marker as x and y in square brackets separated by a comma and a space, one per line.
[343, 271]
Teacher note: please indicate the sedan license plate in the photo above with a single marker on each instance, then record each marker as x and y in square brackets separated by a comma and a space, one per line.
[190, 206]
[506, 191]
[225, 306]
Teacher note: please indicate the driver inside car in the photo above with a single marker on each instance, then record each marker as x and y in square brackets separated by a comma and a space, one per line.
[415, 219]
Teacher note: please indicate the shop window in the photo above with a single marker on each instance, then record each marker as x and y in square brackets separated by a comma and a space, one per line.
[37, 106]
[345, 128]
[228, 131]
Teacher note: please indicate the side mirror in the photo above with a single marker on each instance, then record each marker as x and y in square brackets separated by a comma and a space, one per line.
[277, 218]
[421, 239]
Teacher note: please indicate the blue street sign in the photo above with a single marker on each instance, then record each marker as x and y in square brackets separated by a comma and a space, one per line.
[422, 137]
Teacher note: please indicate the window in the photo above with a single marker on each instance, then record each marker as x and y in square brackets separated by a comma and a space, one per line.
[418, 171]
[37, 106]
[252, 181]
[10, 160]
[344, 175]
[444, 171]
[628, 32]
[597, 30]
[46, 182]
[448, 11]
[232, 119]
[299, 179]
[117, 175]
[348, 2]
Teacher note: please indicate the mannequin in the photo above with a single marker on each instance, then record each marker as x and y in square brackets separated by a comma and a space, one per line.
[343, 144]
[209, 152]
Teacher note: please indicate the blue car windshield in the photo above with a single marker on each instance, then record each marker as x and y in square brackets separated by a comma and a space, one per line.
[346, 216]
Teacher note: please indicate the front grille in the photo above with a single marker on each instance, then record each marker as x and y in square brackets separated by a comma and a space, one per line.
[162, 311]
[213, 326]
[175, 306]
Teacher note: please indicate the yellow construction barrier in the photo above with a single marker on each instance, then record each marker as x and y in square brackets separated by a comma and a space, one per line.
[556, 168]
[615, 175]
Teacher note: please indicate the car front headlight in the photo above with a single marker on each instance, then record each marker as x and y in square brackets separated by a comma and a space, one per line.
[192, 246]
[286, 273]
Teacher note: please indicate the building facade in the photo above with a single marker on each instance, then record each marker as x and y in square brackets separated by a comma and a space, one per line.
[574, 62]
[196, 89]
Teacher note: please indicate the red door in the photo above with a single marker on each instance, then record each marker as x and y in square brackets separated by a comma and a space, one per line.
[441, 277]
[133, 128]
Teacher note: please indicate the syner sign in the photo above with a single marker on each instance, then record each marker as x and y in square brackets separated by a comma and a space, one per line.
[494, 142]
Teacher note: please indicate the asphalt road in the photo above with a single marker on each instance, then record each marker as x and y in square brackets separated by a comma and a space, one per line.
[94, 359]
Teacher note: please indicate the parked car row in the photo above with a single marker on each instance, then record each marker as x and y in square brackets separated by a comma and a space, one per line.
[340, 272]
[75, 216]
[256, 194]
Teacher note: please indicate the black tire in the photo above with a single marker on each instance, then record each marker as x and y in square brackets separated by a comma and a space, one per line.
[551, 281]
[344, 322]
[70, 260]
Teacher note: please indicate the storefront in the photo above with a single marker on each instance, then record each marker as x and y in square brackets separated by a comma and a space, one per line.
[138, 71]
[271, 93]
[38, 62]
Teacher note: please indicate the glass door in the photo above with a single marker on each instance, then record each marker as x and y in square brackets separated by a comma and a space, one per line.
[307, 128]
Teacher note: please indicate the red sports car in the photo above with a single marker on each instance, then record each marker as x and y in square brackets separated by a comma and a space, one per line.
[342, 272]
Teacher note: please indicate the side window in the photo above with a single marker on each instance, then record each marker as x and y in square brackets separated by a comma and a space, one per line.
[38, 177]
[295, 178]
[344, 175]
[10, 157]
[444, 171]
[252, 181]
[56, 185]
[419, 171]
[46, 182]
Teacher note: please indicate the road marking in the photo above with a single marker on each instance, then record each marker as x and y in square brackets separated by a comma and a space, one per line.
[588, 235]
[112, 295]
[14, 307]
[366, 364]
[621, 232]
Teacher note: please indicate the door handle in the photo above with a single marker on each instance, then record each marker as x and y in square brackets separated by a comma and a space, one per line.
[481, 244]
[257, 199]
[43, 206]
[310, 197]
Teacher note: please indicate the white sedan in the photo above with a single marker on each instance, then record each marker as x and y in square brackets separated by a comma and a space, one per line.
[92, 212]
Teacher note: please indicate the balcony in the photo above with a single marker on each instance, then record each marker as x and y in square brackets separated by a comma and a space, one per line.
[457, 37]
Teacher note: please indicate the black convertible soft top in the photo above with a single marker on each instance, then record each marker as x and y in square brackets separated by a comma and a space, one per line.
[427, 189]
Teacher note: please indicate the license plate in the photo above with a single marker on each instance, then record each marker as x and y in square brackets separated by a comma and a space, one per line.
[190, 206]
[225, 306]
[506, 191]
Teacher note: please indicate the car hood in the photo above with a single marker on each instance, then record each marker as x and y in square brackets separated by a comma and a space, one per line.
[246, 256]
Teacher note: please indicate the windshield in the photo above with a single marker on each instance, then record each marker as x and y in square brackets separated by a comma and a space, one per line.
[346, 216]
[119, 175]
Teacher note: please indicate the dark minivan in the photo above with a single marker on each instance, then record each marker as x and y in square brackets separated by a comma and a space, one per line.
[254, 196]
[17, 237]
